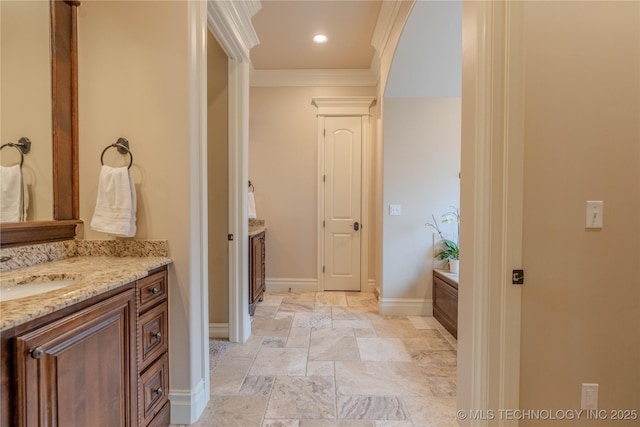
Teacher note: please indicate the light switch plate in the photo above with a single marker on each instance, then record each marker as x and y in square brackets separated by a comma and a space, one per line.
[595, 211]
[395, 210]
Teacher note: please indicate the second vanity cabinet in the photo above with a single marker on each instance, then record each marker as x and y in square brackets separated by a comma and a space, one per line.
[257, 282]
[102, 362]
[445, 300]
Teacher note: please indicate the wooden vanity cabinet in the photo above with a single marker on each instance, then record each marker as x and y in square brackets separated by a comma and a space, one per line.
[101, 362]
[257, 284]
[80, 368]
[153, 360]
[445, 300]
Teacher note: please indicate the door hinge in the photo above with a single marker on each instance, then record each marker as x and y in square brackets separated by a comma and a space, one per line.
[323, 268]
[324, 132]
[229, 237]
[517, 277]
[324, 178]
[323, 223]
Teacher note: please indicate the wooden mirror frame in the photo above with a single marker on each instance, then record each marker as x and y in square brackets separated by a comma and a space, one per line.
[64, 92]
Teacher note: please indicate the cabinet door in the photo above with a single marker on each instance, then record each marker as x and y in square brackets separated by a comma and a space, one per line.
[81, 369]
[263, 264]
[257, 266]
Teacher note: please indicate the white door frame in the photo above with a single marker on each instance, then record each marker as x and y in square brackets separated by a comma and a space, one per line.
[491, 198]
[230, 23]
[345, 106]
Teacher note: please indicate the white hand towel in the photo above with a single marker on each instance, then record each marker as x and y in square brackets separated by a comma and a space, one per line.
[115, 211]
[14, 196]
[251, 205]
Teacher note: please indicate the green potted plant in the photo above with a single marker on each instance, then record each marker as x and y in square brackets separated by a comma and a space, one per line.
[449, 250]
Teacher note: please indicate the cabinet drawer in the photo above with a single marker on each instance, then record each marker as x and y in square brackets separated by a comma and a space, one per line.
[163, 418]
[152, 330]
[153, 289]
[154, 389]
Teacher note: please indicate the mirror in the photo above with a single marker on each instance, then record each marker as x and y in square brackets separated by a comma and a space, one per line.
[25, 106]
[64, 136]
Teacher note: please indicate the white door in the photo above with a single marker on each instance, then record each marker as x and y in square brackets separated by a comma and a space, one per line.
[342, 203]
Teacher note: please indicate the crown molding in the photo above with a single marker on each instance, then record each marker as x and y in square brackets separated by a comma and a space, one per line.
[343, 105]
[230, 23]
[386, 20]
[289, 78]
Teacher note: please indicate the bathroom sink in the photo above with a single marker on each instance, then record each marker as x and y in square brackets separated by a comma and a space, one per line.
[34, 285]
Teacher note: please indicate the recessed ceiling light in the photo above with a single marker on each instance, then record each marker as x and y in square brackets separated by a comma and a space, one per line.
[320, 38]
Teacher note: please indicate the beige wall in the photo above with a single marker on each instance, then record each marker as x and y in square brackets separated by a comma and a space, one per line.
[421, 166]
[218, 180]
[25, 98]
[283, 160]
[134, 82]
[580, 303]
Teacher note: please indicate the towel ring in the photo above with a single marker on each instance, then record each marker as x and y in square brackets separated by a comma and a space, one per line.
[122, 145]
[251, 188]
[23, 146]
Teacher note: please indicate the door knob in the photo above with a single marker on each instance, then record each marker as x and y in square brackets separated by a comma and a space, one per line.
[356, 226]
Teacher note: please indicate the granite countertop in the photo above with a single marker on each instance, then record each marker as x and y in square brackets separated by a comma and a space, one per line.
[253, 230]
[256, 226]
[95, 275]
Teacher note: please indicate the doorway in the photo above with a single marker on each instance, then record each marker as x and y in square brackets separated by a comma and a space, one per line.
[343, 139]
[484, 335]
[342, 185]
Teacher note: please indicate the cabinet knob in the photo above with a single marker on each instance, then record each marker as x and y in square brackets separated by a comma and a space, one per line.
[159, 391]
[154, 290]
[37, 352]
[157, 335]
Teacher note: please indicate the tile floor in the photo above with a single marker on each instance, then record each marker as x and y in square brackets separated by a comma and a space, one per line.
[329, 359]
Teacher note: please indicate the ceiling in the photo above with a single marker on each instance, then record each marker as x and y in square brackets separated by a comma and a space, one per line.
[286, 28]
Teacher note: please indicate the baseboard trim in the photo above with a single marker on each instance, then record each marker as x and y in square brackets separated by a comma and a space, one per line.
[299, 285]
[218, 330]
[188, 405]
[406, 307]
[295, 285]
[370, 286]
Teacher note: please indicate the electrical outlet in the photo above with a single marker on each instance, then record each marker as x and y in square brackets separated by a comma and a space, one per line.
[589, 396]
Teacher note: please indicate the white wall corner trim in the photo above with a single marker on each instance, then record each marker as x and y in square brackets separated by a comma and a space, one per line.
[218, 330]
[230, 23]
[406, 307]
[187, 405]
[313, 78]
[295, 285]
